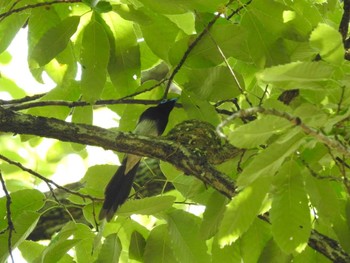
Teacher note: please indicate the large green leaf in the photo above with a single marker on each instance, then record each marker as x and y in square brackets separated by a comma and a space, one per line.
[290, 215]
[146, 206]
[111, 249]
[264, 22]
[94, 59]
[254, 240]
[199, 109]
[329, 43]
[267, 162]
[185, 239]
[213, 215]
[55, 40]
[9, 28]
[124, 63]
[257, 132]
[242, 211]
[23, 200]
[24, 224]
[304, 75]
[212, 84]
[159, 241]
[160, 34]
[137, 246]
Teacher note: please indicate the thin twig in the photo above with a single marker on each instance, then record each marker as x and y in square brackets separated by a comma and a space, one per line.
[72, 104]
[318, 135]
[26, 102]
[10, 226]
[47, 181]
[238, 10]
[21, 100]
[23, 8]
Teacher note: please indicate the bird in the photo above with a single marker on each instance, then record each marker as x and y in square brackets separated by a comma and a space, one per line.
[152, 122]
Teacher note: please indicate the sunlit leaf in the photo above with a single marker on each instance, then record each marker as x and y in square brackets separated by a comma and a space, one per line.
[257, 132]
[329, 43]
[267, 162]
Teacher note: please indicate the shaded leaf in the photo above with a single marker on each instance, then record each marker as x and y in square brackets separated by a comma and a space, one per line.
[146, 206]
[55, 40]
[137, 246]
[158, 246]
[289, 214]
[242, 211]
[94, 59]
[110, 250]
[187, 245]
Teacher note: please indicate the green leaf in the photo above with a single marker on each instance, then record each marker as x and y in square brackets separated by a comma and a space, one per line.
[213, 215]
[159, 241]
[160, 34]
[24, 224]
[11, 87]
[111, 249]
[30, 250]
[290, 214]
[103, 7]
[257, 132]
[254, 240]
[329, 43]
[84, 248]
[146, 206]
[82, 115]
[137, 246]
[242, 211]
[9, 28]
[304, 75]
[23, 200]
[212, 84]
[124, 62]
[199, 109]
[186, 243]
[229, 253]
[55, 40]
[96, 178]
[267, 162]
[273, 254]
[55, 252]
[94, 59]
[229, 39]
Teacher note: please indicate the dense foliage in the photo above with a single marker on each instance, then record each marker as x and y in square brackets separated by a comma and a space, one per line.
[271, 77]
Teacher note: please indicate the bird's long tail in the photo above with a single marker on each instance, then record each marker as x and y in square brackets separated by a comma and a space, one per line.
[118, 189]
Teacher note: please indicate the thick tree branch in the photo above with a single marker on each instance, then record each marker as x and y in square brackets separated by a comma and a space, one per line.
[161, 148]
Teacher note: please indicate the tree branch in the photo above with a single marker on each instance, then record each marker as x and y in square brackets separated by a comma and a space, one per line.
[23, 8]
[161, 148]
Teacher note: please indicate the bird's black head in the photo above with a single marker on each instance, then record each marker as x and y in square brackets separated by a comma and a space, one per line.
[158, 114]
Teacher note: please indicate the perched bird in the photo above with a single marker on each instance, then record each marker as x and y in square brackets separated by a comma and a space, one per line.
[152, 122]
